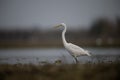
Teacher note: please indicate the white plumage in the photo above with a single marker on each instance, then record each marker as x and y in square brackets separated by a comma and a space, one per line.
[73, 49]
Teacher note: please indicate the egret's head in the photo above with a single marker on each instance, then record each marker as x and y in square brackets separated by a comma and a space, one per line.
[60, 25]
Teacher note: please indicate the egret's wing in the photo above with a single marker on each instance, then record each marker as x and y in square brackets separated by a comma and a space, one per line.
[73, 46]
[75, 50]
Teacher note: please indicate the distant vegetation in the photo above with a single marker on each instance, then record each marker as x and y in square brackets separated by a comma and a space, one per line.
[102, 32]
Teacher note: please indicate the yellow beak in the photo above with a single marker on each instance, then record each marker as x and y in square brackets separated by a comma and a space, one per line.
[57, 26]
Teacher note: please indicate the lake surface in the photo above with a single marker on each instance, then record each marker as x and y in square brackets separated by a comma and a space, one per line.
[50, 55]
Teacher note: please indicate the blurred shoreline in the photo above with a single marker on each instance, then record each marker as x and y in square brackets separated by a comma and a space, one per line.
[52, 44]
[102, 33]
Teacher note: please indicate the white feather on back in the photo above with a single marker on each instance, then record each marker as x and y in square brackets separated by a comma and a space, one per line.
[75, 50]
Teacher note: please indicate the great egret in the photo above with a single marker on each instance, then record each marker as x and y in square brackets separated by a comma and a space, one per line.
[74, 50]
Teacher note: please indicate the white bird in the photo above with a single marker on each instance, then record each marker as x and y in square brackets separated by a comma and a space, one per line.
[74, 50]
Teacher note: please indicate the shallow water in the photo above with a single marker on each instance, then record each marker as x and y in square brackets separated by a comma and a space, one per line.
[50, 55]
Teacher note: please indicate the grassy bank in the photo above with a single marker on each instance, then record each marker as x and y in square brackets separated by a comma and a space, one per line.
[102, 71]
[56, 43]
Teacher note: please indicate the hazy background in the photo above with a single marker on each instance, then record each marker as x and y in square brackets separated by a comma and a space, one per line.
[27, 37]
[30, 22]
[16, 14]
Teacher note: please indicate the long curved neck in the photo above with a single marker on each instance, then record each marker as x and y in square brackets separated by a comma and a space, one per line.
[63, 35]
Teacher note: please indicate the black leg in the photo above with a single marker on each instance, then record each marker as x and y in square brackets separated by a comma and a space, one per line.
[76, 59]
